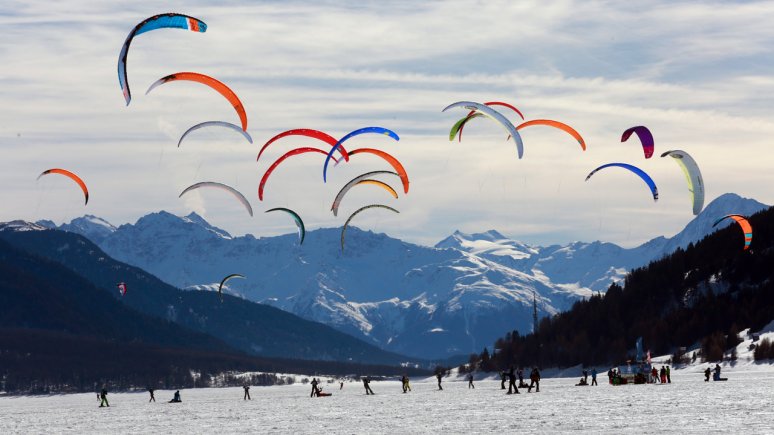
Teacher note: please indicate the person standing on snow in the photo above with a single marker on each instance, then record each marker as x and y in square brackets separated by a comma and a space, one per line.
[594, 376]
[247, 392]
[534, 378]
[502, 380]
[368, 389]
[707, 374]
[470, 381]
[669, 375]
[152, 397]
[663, 374]
[314, 387]
[103, 398]
[512, 381]
[439, 375]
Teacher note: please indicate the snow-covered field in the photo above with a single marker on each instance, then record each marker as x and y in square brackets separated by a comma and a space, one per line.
[688, 405]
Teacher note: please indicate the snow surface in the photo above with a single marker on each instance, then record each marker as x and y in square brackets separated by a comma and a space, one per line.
[688, 405]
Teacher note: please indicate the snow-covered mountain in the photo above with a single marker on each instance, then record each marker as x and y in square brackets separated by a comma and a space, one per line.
[455, 297]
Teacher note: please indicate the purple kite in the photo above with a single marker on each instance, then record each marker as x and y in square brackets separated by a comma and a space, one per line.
[645, 137]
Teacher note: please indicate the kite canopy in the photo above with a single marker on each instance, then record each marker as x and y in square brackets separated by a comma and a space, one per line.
[226, 279]
[555, 124]
[276, 163]
[346, 224]
[315, 134]
[692, 177]
[645, 177]
[219, 86]
[241, 198]
[389, 159]
[71, 176]
[743, 223]
[364, 179]
[215, 124]
[461, 123]
[337, 145]
[646, 138]
[161, 21]
[494, 115]
[297, 218]
[121, 288]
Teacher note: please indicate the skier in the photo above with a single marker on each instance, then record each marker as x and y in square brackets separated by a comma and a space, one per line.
[152, 397]
[512, 381]
[669, 375]
[103, 398]
[439, 375]
[368, 389]
[247, 392]
[314, 387]
[470, 381]
[502, 380]
[534, 378]
[176, 398]
[707, 374]
[594, 376]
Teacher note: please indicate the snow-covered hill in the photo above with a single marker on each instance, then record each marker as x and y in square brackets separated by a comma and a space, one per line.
[456, 297]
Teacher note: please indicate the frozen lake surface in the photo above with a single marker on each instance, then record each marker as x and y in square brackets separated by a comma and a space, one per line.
[689, 405]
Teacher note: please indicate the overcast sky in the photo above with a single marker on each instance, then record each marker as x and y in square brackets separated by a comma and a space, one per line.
[700, 75]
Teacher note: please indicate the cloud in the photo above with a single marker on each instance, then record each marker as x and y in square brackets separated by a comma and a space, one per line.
[698, 74]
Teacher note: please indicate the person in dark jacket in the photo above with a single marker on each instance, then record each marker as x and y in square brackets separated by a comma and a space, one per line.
[103, 398]
[152, 397]
[707, 373]
[502, 379]
[669, 375]
[439, 375]
[470, 381]
[247, 392]
[314, 388]
[520, 373]
[594, 376]
[534, 378]
[512, 381]
[366, 382]
[176, 398]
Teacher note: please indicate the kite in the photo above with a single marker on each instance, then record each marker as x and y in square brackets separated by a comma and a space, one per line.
[692, 177]
[743, 223]
[494, 115]
[375, 130]
[358, 180]
[215, 124]
[346, 224]
[645, 177]
[646, 138]
[71, 176]
[241, 198]
[297, 218]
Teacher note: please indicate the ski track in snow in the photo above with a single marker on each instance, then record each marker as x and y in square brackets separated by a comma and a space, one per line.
[688, 405]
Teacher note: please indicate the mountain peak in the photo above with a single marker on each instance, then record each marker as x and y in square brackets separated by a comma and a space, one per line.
[20, 225]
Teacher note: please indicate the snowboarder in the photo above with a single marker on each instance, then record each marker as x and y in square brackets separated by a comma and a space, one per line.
[707, 374]
[534, 378]
[470, 381]
[512, 381]
[103, 398]
[314, 388]
[176, 398]
[368, 389]
[439, 375]
[152, 397]
[594, 376]
[502, 380]
[669, 375]
[247, 392]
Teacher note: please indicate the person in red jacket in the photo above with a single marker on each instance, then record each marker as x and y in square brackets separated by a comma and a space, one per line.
[654, 375]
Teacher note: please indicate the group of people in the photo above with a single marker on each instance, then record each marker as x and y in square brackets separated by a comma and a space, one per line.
[103, 401]
[512, 374]
[585, 379]
[716, 376]
[641, 376]
[317, 391]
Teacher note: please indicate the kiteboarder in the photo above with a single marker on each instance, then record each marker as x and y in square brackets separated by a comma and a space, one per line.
[152, 397]
[368, 389]
[707, 374]
[103, 398]
[512, 381]
[534, 378]
[470, 381]
[176, 398]
[247, 392]
[314, 387]
[439, 375]
[594, 376]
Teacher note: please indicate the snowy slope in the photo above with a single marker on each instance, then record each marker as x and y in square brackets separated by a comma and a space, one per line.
[456, 297]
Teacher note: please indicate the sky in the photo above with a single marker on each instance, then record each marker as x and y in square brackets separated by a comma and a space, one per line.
[700, 75]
